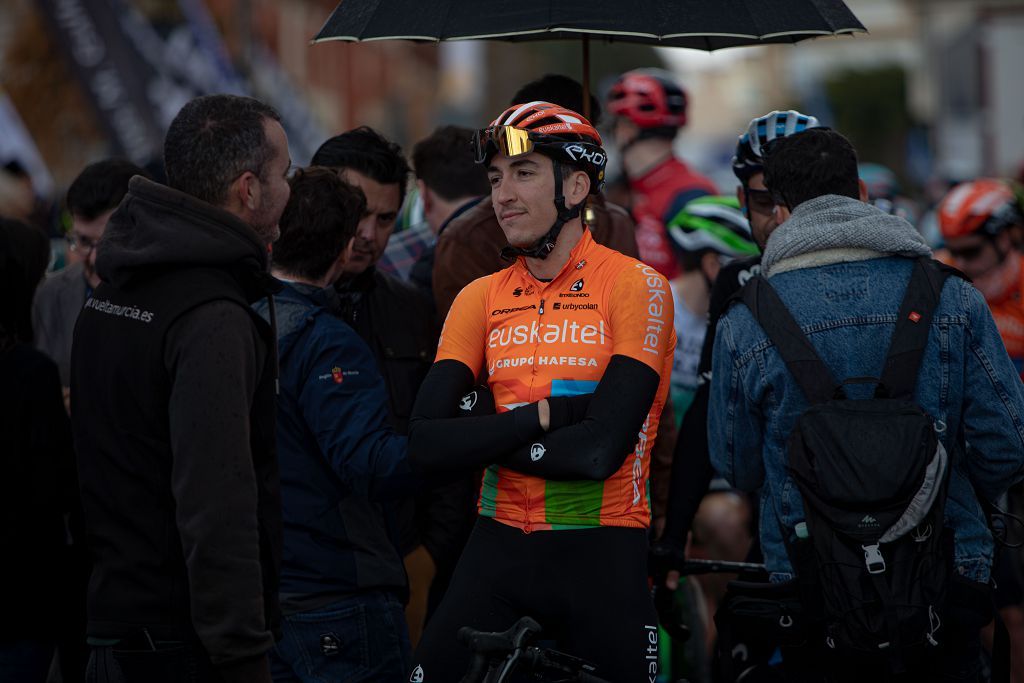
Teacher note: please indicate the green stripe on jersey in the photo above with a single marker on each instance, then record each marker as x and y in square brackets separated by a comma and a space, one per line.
[573, 503]
[489, 492]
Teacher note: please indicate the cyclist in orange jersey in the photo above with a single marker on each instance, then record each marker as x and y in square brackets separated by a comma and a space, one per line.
[976, 219]
[575, 343]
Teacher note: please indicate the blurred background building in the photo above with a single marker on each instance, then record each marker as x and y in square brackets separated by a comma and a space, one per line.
[933, 92]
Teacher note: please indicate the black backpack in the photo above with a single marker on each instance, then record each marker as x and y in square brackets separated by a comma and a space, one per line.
[874, 562]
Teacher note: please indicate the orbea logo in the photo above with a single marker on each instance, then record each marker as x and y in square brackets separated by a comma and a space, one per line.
[506, 311]
[535, 333]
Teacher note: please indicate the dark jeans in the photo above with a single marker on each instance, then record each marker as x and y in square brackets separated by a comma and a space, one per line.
[161, 662]
[362, 638]
[25, 661]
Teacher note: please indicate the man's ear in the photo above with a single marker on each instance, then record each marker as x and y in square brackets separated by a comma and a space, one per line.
[863, 188]
[781, 213]
[711, 265]
[244, 193]
[426, 196]
[579, 188]
[1004, 244]
[338, 267]
[741, 197]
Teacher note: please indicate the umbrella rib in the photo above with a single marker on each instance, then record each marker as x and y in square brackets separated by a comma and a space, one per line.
[779, 34]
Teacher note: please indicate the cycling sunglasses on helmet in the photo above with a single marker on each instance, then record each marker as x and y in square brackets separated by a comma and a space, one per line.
[509, 140]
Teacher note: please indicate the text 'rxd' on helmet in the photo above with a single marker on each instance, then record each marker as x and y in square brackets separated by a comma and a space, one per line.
[552, 130]
[749, 157]
[986, 205]
[715, 223]
[650, 98]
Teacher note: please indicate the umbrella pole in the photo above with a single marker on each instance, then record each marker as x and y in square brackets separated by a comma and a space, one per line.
[586, 76]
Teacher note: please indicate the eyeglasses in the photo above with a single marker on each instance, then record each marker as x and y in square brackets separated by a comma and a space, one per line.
[760, 201]
[80, 244]
[967, 253]
[509, 140]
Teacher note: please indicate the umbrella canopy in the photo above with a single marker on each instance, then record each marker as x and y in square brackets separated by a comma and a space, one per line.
[701, 24]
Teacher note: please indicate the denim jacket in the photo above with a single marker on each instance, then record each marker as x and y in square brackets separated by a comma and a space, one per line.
[848, 311]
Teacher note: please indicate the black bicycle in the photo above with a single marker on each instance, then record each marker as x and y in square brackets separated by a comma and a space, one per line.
[496, 656]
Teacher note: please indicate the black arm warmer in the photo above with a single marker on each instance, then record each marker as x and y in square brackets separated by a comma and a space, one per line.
[691, 462]
[596, 447]
[441, 441]
[691, 470]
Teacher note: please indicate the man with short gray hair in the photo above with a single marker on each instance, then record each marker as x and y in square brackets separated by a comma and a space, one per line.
[173, 378]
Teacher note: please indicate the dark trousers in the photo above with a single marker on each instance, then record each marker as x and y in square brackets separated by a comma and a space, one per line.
[587, 588]
[135, 661]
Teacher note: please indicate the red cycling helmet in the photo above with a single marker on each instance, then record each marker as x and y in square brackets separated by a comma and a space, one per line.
[984, 205]
[650, 98]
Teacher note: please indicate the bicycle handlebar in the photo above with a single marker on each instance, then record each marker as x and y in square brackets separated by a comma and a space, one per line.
[690, 567]
[509, 648]
[499, 644]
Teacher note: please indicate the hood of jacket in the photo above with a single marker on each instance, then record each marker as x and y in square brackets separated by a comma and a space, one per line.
[833, 229]
[157, 227]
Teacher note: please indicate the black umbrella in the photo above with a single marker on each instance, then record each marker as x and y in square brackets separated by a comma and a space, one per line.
[700, 24]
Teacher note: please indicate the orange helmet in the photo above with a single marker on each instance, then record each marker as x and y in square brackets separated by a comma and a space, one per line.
[984, 205]
[556, 132]
[550, 129]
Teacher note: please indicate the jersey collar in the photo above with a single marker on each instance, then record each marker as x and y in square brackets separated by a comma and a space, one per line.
[578, 259]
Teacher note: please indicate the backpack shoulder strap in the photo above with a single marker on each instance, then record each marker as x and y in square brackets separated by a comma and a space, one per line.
[796, 350]
[913, 325]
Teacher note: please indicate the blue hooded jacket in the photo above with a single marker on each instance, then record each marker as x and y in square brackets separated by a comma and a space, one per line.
[341, 462]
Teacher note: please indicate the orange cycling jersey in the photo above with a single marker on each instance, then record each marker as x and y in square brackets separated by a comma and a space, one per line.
[538, 339]
[1008, 313]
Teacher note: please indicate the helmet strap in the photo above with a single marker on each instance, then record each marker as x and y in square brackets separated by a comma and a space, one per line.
[546, 244]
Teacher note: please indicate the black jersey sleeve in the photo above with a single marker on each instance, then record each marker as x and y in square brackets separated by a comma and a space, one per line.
[595, 447]
[440, 440]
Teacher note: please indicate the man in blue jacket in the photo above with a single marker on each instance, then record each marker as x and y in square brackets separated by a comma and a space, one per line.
[342, 584]
[841, 267]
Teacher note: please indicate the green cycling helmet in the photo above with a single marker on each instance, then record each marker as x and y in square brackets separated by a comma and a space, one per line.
[715, 223]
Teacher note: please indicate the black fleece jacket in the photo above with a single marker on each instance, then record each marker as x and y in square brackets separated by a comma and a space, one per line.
[173, 416]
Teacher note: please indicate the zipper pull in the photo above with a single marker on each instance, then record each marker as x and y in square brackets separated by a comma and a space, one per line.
[540, 311]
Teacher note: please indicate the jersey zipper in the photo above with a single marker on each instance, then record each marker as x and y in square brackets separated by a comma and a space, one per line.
[540, 311]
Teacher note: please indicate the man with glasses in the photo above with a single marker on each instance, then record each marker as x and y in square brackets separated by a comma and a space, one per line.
[91, 200]
[691, 465]
[977, 219]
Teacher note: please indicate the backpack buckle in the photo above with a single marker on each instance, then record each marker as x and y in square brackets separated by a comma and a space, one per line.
[873, 559]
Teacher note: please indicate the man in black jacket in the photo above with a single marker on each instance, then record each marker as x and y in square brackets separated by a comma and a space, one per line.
[173, 387]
